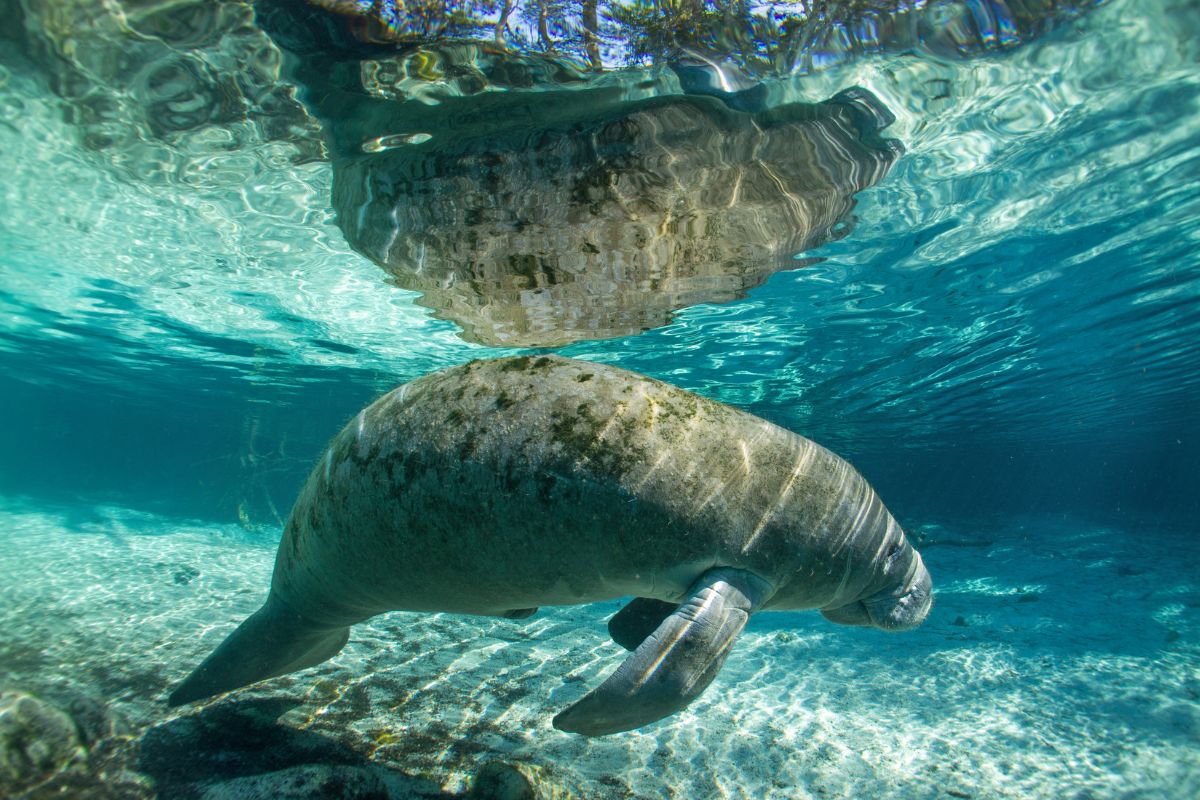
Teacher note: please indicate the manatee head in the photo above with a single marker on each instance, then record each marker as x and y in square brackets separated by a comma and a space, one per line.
[898, 601]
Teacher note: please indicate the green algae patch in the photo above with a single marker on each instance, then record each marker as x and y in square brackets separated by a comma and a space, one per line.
[518, 364]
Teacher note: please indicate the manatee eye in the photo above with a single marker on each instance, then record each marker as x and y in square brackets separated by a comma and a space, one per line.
[894, 550]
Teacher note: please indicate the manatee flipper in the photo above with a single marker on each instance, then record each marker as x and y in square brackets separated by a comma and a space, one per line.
[273, 641]
[630, 626]
[675, 663]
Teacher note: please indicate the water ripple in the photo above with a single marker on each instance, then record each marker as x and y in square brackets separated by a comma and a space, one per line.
[1028, 268]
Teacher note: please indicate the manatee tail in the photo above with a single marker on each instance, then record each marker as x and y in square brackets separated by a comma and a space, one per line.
[273, 641]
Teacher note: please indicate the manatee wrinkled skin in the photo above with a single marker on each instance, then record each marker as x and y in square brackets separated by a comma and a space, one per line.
[500, 486]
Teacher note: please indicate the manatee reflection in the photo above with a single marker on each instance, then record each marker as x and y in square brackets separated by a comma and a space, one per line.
[605, 225]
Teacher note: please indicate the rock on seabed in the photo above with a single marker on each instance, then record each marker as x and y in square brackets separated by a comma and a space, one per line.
[37, 740]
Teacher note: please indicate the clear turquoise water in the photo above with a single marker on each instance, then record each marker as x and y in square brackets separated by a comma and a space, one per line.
[1006, 345]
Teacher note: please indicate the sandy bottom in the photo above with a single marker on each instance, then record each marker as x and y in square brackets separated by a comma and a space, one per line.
[1061, 660]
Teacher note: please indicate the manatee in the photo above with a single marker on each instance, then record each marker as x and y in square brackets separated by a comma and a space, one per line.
[500, 486]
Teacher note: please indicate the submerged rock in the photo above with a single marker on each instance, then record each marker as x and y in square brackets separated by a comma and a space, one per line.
[500, 780]
[311, 782]
[602, 223]
[37, 740]
[241, 750]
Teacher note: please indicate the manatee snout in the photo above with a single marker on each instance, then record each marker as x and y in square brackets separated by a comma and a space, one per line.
[904, 608]
[900, 607]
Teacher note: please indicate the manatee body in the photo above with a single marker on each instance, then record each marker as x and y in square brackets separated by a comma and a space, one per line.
[500, 486]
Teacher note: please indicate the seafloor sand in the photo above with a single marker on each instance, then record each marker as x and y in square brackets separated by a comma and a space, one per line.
[1061, 660]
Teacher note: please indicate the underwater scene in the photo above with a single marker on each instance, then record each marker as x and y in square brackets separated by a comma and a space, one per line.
[600, 399]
